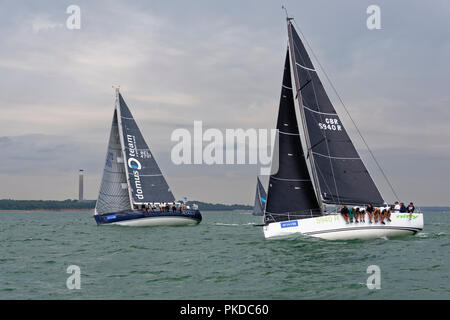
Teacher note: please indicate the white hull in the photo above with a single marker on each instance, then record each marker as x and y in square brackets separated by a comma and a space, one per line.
[334, 227]
[157, 221]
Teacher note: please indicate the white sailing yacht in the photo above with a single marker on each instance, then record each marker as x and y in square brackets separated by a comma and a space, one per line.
[319, 165]
[133, 190]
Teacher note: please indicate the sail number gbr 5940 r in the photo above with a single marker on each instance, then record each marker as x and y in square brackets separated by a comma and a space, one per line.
[330, 124]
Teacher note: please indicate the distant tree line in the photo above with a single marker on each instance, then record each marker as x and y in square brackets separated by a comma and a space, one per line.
[8, 204]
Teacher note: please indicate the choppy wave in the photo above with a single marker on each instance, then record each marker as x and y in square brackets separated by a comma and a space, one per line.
[224, 257]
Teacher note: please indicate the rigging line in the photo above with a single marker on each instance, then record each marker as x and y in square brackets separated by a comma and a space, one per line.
[299, 90]
[316, 144]
[348, 113]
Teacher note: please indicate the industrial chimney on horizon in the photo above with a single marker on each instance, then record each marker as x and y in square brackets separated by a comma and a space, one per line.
[80, 186]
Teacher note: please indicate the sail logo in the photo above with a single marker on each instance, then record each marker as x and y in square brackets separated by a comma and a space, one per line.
[134, 164]
[330, 124]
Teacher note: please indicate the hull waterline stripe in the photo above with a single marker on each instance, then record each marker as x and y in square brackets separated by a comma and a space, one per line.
[415, 230]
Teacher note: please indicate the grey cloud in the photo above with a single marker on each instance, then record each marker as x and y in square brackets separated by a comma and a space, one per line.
[219, 62]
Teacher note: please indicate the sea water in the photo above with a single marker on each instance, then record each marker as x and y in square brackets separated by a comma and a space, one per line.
[225, 257]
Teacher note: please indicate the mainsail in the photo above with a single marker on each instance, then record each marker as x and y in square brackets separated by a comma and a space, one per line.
[290, 193]
[337, 168]
[260, 199]
[146, 182]
[113, 195]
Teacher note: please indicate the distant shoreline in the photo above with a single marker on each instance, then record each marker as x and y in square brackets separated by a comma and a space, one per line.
[89, 205]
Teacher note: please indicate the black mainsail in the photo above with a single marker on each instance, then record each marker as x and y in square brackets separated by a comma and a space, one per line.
[339, 174]
[260, 199]
[146, 182]
[290, 193]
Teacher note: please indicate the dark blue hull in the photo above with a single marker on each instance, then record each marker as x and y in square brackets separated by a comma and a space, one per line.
[138, 218]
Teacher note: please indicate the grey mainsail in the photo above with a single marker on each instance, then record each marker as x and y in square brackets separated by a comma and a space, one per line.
[146, 182]
[113, 195]
[290, 194]
[260, 199]
[340, 174]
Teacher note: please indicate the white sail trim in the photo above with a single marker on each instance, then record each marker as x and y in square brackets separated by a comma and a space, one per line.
[324, 113]
[286, 87]
[126, 118]
[290, 134]
[306, 68]
[338, 158]
[281, 179]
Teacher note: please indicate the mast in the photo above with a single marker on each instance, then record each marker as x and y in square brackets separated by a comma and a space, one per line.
[308, 154]
[122, 145]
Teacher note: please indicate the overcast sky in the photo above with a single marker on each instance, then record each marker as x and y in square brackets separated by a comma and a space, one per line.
[220, 62]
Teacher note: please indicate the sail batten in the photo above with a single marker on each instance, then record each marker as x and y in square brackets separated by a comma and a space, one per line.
[340, 175]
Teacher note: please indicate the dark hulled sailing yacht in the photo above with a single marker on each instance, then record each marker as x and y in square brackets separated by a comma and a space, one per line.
[318, 164]
[133, 190]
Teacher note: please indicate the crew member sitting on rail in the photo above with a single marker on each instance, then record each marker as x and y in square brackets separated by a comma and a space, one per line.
[402, 208]
[345, 213]
[370, 209]
[362, 215]
[411, 209]
[386, 214]
[352, 214]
